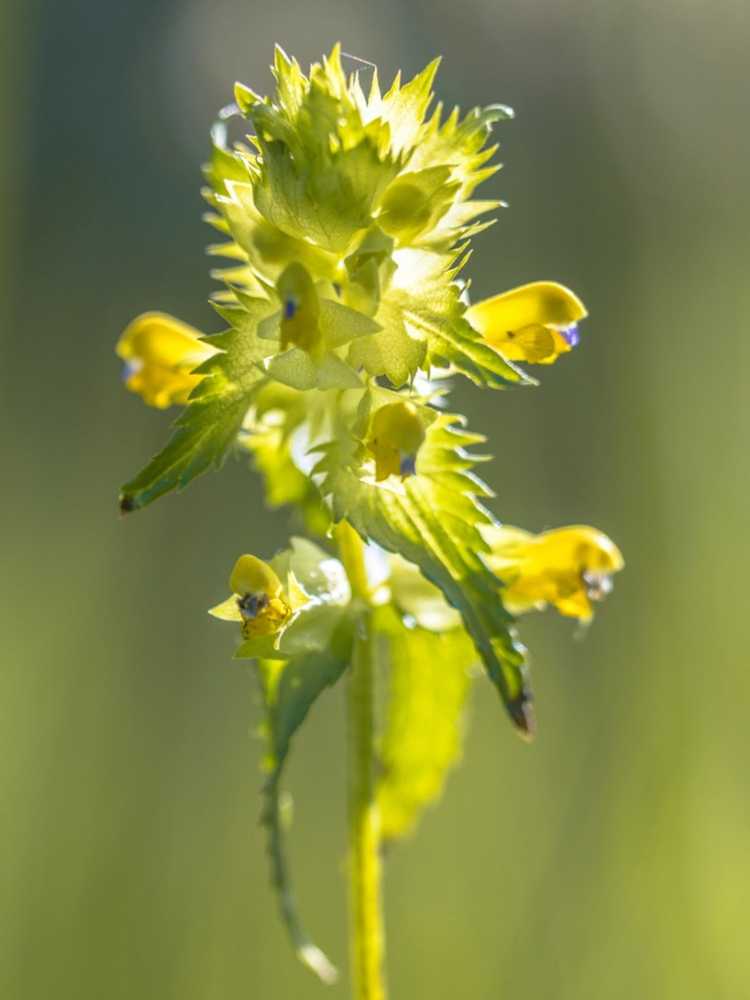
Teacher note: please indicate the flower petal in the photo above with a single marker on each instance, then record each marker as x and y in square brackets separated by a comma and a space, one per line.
[227, 611]
[545, 302]
[253, 576]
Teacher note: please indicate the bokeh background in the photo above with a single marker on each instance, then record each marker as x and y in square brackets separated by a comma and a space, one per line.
[611, 859]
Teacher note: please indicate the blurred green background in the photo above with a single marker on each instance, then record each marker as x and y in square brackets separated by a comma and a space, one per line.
[608, 860]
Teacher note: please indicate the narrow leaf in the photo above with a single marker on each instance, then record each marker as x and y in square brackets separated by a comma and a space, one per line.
[211, 421]
[436, 528]
[289, 689]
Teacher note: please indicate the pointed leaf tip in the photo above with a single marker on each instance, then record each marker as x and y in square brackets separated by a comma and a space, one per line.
[127, 504]
[319, 963]
[245, 97]
[499, 112]
[522, 715]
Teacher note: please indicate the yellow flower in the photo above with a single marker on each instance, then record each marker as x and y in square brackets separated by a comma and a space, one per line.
[535, 323]
[160, 353]
[258, 600]
[567, 567]
[396, 434]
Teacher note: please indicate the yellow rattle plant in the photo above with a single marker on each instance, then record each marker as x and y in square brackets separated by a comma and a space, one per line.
[346, 218]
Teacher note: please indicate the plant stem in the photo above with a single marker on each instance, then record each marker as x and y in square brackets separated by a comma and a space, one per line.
[366, 920]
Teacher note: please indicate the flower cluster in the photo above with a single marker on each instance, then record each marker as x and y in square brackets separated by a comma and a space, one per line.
[346, 216]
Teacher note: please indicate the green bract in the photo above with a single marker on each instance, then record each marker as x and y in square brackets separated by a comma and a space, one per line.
[345, 217]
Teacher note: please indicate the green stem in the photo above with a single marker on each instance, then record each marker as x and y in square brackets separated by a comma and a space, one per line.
[366, 919]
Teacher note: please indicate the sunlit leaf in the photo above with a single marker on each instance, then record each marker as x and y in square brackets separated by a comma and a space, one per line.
[428, 686]
[434, 524]
[210, 422]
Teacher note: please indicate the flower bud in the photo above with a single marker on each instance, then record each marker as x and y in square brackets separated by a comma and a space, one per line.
[416, 201]
[396, 435]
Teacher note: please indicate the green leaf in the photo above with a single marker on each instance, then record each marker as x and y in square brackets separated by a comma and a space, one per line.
[432, 519]
[225, 164]
[256, 239]
[392, 352]
[289, 689]
[321, 170]
[211, 421]
[404, 107]
[302, 370]
[423, 323]
[429, 683]
[427, 296]
[297, 369]
[457, 344]
[418, 600]
[339, 324]
[460, 143]
[312, 630]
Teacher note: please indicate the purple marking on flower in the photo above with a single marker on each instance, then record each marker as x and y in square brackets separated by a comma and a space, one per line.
[571, 334]
[130, 368]
[408, 465]
[290, 308]
[251, 605]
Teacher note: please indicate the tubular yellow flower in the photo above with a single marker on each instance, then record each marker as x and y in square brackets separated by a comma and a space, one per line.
[160, 354]
[567, 567]
[396, 434]
[258, 600]
[535, 323]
